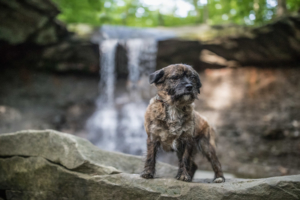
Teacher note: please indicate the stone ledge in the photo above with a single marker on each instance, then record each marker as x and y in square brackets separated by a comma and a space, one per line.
[50, 172]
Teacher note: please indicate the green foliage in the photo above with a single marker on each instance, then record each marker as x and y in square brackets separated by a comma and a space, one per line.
[240, 11]
[80, 11]
[134, 13]
[293, 5]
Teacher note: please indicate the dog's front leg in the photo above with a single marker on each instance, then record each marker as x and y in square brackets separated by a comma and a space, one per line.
[185, 171]
[149, 169]
[179, 153]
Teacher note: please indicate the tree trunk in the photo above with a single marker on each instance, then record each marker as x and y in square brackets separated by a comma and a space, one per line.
[161, 21]
[281, 8]
[205, 13]
[198, 17]
[256, 9]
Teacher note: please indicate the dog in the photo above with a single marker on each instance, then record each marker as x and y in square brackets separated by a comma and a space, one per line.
[172, 123]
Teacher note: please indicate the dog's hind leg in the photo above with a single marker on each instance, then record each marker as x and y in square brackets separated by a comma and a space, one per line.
[193, 168]
[209, 151]
[149, 169]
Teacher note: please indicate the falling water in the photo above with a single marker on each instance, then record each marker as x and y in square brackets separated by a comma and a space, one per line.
[104, 119]
[107, 73]
[134, 47]
[120, 126]
[141, 54]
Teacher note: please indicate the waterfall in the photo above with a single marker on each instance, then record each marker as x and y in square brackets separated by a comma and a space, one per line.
[107, 72]
[104, 119]
[120, 127]
[134, 47]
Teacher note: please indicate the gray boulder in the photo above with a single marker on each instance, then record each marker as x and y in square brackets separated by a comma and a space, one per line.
[273, 44]
[23, 20]
[52, 165]
[73, 153]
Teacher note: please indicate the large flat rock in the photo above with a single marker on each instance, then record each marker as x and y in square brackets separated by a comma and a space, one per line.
[53, 165]
[74, 153]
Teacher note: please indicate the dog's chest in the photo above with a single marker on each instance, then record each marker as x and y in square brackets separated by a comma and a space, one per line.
[177, 124]
[175, 120]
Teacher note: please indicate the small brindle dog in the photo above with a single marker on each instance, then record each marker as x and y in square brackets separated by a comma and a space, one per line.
[172, 123]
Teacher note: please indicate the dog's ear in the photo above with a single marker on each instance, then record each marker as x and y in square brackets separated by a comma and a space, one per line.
[156, 76]
[199, 84]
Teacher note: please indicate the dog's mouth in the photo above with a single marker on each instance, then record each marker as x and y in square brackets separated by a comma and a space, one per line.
[184, 96]
[187, 93]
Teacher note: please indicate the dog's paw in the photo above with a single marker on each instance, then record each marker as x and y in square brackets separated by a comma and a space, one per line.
[178, 176]
[185, 177]
[147, 175]
[219, 180]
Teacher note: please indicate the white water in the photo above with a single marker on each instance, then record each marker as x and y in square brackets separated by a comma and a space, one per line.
[104, 119]
[118, 127]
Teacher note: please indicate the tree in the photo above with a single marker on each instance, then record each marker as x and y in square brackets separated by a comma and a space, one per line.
[135, 13]
[197, 10]
[281, 8]
[206, 12]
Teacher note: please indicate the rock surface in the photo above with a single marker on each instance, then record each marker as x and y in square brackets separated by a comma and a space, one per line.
[52, 165]
[276, 43]
[178, 51]
[34, 21]
[73, 153]
[32, 37]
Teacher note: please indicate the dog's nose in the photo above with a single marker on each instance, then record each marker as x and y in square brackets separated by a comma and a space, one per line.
[189, 87]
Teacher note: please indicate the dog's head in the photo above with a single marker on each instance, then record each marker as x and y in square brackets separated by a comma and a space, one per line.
[177, 84]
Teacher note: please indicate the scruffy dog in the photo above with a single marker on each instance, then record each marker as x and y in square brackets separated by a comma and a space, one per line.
[172, 123]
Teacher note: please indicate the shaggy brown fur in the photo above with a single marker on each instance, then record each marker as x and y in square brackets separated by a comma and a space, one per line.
[172, 123]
